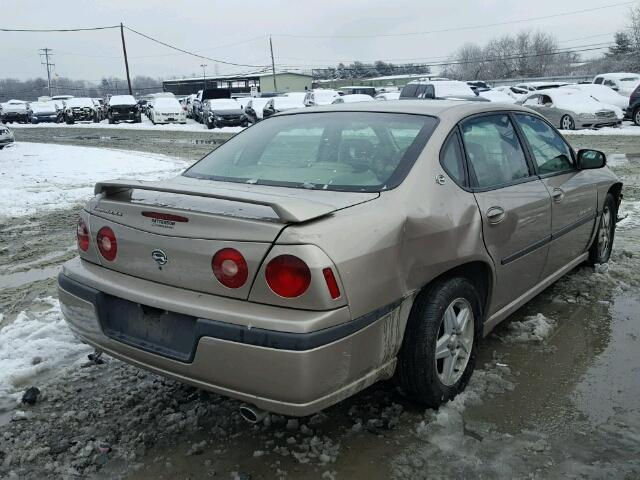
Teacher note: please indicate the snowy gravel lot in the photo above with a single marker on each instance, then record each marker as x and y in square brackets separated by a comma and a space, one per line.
[555, 395]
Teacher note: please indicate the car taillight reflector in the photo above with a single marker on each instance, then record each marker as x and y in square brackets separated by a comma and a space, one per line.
[332, 284]
[288, 276]
[82, 235]
[107, 243]
[230, 268]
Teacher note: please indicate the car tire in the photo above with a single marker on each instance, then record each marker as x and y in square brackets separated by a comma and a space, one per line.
[636, 116]
[567, 123]
[600, 250]
[70, 122]
[422, 376]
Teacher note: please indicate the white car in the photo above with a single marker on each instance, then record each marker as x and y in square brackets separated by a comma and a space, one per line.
[534, 86]
[388, 96]
[280, 104]
[320, 97]
[497, 96]
[601, 93]
[166, 110]
[353, 98]
[297, 95]
[449, 89]
[516, 93]
[623, 83]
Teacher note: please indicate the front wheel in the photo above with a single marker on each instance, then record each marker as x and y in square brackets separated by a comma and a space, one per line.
[567, 123]
[600, 251]
[636, 116]
[440, 344]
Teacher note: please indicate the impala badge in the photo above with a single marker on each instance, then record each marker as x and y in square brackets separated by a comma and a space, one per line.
[159, 257]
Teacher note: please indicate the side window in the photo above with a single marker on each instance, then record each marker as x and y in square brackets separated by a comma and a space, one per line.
[451, 159]
[494, 151]
[609, 83]
[598, 80]
[550, 151]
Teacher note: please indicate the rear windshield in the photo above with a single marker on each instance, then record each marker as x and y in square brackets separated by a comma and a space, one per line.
[348, 151]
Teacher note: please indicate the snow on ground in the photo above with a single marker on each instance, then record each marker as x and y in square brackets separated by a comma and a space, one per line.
[536, 328]
[37, 176]
[146, 124]
[625, 130]
[37, 341]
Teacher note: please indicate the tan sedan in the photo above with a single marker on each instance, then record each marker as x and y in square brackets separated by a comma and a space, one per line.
[325, 249]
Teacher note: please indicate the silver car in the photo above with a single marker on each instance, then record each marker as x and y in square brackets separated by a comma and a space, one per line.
[324, 249]
[6, 136]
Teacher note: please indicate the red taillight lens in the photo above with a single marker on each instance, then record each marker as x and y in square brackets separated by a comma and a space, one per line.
[230, 268]
[288, 276]
[82, 235]
[332, 284]
[107, 243]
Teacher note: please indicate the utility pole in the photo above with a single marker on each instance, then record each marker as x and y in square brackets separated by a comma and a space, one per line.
[204, 75]
[273, 65]
[126, 60]
[46, 53]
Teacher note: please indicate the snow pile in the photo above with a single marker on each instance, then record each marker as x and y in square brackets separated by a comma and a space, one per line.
[36, 342]
[35, 176]
[533, 329]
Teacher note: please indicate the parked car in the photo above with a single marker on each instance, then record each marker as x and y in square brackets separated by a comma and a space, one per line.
[101, 108]
[623, 83]
[123, 108]
[440, 89]
[497, 96]
[388, 96]
[166, 110]
[353, 98]
[633, 111]
[358, 89]
[14, 111]
[253, 110]
[188, 105]
[534, 86]
[281, 104]
[276, 293]
[572, 109]
[320, 97]
[46, 112]
[208, 94]
[6, 136]
[297, 95]
[62, 98]
[80, 110]
[478, 86]
[516, 93]
[223, 112]
[601, 93]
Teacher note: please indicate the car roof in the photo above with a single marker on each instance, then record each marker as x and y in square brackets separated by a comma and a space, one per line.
[436, 108]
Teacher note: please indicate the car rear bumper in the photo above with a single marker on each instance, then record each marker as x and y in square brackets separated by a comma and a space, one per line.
[297, 370]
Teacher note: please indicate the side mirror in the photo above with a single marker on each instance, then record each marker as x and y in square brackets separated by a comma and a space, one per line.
[589, 159]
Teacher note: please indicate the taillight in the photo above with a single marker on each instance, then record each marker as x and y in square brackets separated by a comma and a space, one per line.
[230, 268]
[332, 283]
[107, 243]
[82, 235]
[288, 276]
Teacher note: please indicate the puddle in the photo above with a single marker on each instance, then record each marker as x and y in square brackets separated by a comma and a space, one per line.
[13, 280]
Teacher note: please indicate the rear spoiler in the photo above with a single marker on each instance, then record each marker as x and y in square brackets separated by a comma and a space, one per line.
[288, 209]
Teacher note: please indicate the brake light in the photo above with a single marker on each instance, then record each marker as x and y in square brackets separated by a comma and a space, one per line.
[332, 284]
[288, 276]
[165, 216]
[107, 243]
[230, 268]
[82, 235]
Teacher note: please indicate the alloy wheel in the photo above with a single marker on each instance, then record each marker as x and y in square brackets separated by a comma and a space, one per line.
[455, 341]
[604, 234]
[567, 123]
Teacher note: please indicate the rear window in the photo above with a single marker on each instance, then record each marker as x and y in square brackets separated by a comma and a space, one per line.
[348, 151]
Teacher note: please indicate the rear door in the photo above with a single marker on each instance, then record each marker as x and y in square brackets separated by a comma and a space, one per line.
[574, 196]
[514, 203]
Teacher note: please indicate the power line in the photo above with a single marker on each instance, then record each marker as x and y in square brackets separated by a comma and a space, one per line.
[192, 53]
[457, 29]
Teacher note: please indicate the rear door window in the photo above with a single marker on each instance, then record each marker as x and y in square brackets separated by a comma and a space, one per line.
[495, 155]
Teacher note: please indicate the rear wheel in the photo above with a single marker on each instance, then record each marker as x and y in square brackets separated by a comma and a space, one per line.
[567, 123]
[600, 251]
[636, 116]
[440, 344]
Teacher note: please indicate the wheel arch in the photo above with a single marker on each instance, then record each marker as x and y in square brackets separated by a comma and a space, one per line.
[616, 191]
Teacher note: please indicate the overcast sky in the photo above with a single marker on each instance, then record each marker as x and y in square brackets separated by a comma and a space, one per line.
[221, 29]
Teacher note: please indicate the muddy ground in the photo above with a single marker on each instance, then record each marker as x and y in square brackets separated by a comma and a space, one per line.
[555, 395]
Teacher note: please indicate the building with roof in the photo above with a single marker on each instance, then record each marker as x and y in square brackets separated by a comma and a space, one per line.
[242, 83]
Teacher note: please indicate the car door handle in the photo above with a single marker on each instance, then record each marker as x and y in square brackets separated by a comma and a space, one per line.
[557, 194]
[496, 215]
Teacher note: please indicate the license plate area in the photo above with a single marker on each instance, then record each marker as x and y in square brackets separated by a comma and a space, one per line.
[164, 333]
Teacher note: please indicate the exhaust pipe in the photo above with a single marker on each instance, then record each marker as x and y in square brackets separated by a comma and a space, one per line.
[252, 414]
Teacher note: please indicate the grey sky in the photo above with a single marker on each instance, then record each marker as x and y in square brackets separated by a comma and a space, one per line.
[202, 26]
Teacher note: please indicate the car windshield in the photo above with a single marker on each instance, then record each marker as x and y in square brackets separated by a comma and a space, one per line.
[43, 107]
[348, 151]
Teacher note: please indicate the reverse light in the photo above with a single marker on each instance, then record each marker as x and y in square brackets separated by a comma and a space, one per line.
[107, 243]
[332, 283]
[288, 276]
[82, 235]
[230, 268]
